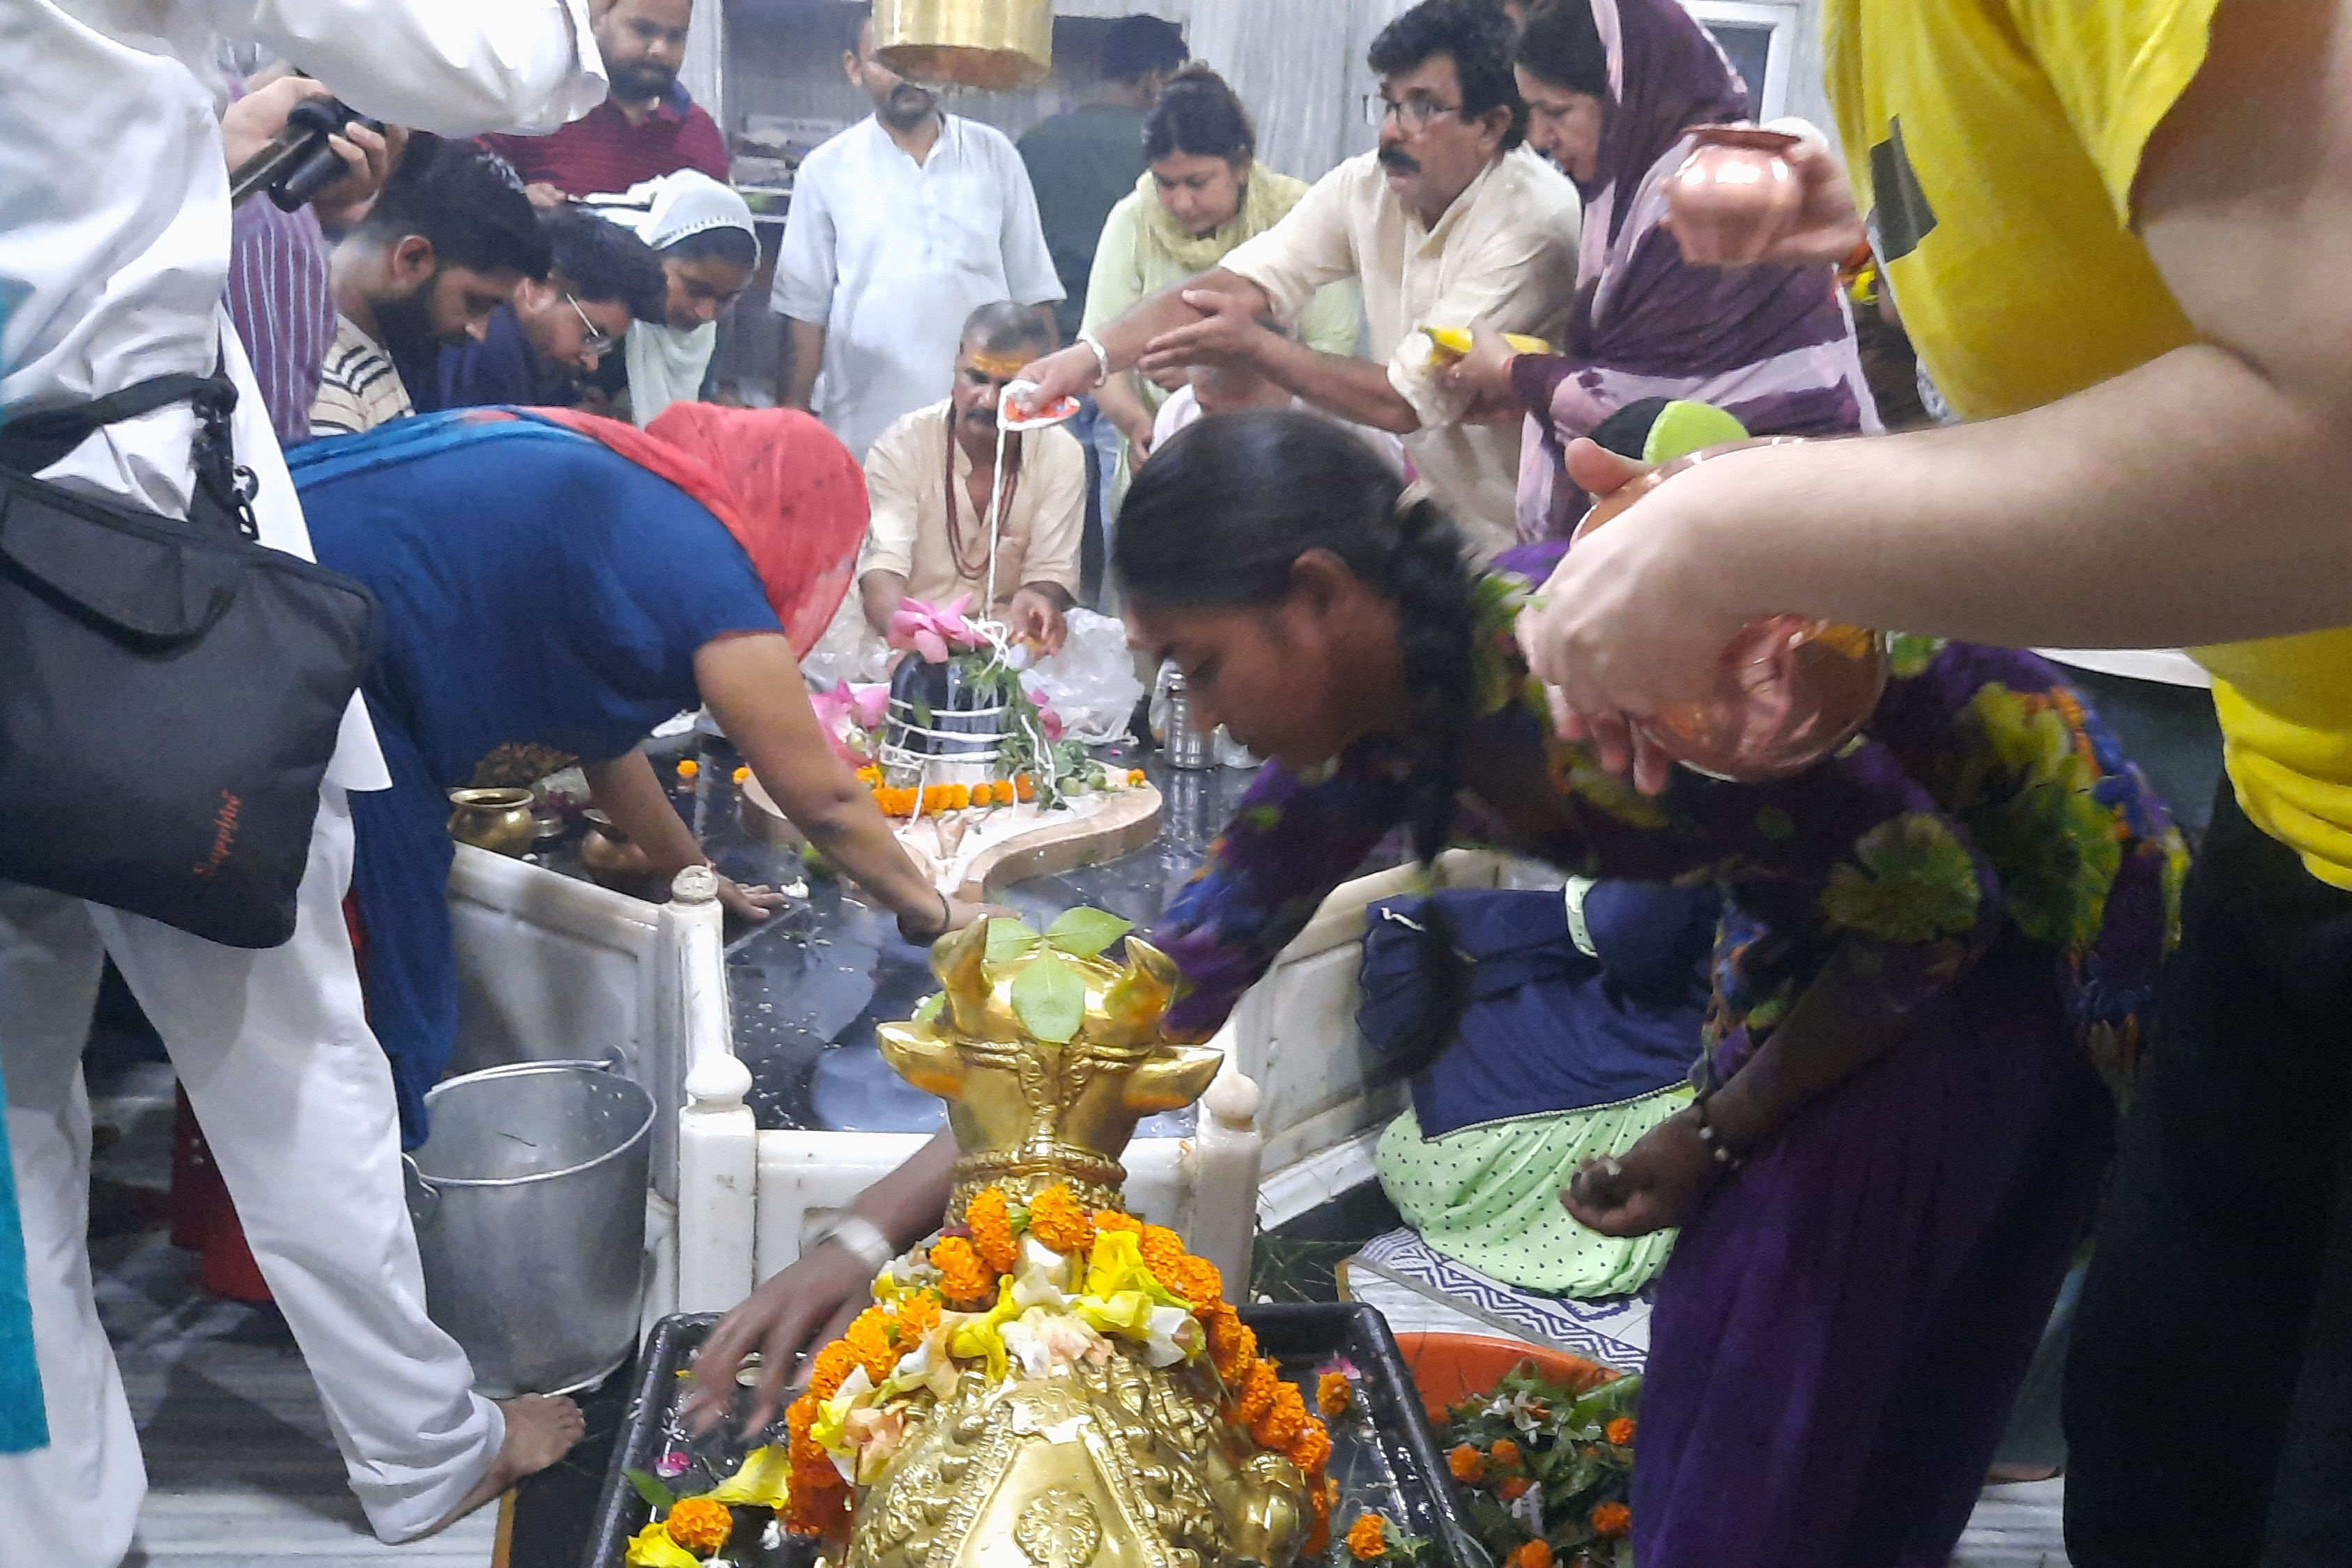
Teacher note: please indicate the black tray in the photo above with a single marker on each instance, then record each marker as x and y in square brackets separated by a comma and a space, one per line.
[1383, 1458]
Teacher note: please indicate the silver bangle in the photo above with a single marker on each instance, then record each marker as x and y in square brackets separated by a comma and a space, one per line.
[1579, 931]
[861, 1238]
[1102, 357]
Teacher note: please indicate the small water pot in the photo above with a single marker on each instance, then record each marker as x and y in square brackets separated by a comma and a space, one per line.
[529, 1201]
[499, 820]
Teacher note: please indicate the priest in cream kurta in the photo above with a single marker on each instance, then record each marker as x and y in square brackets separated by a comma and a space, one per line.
[938, 477]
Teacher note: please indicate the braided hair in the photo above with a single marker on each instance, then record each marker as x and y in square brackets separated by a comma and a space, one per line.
[1219, 516]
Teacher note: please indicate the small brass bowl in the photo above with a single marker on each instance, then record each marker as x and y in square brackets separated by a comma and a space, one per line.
[499, 820]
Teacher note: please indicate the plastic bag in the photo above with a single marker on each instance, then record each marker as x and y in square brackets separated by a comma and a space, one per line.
[1091, 684]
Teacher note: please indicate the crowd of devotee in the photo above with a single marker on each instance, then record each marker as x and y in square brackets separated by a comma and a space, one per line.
[1963, 1093]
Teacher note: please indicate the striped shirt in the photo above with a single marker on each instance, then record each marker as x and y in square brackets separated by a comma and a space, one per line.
[284, 309]
[358, 388]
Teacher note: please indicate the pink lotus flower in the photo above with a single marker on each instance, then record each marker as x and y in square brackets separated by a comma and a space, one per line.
[847, 709]
[1046, 714]
[935, 632]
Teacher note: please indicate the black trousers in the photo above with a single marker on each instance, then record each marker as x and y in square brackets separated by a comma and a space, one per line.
[2208, 1398]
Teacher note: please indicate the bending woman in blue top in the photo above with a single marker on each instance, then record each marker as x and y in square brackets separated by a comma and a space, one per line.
[555, 579]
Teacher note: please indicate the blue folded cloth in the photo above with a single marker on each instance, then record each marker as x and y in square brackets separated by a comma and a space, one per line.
[23, 1420]
[1549, 1028]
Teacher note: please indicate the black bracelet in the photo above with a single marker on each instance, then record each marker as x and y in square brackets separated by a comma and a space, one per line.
[1707, 1135]
[947, 920]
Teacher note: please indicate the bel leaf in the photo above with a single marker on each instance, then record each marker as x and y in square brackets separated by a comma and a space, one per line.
[1083, 932]
[1008, 940]
[931, 1007]
[656, 1494]
[1050, 999]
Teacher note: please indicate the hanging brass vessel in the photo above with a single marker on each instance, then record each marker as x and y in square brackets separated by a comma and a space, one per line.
[1001, 44]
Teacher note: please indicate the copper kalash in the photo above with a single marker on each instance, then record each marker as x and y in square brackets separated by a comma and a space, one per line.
[1111, 1462]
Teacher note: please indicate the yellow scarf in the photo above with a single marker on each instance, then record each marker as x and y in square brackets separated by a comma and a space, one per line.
[1264, 202]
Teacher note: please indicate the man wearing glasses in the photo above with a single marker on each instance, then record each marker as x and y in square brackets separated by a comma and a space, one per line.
[1448, 222]
[539, 344]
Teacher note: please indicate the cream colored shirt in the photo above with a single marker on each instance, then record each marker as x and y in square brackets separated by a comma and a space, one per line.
[1504, 252]
[907, 479]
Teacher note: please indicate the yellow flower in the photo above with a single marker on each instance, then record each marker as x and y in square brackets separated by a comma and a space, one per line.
[983, 1336]
[688, 768]
[651, 1548]
[762, 1482]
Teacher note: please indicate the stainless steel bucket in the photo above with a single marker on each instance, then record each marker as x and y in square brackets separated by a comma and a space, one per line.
[529, 1204]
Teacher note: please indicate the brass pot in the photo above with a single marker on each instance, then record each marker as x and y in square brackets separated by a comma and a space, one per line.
[499, 820]
[611, 860]
[1001, 44]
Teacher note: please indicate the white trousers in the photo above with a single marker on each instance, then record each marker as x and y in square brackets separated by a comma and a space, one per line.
[295, 1099]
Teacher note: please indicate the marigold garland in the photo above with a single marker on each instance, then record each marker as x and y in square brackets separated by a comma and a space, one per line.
[1057, 1221]
[970, 1270]
[1536, 1554]
[1468, 1465]
[1334, 1394]
[1513, 1490]
[990, 1220]
[1620, 1432]
[964, 1281]
[699, 1525]
[1613, 1521]
[1505, 1453]
[1367, 1538]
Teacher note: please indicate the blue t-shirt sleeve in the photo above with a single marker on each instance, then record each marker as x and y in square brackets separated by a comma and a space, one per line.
[668, 578]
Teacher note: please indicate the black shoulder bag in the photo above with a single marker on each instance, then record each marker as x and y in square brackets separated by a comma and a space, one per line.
[171, 691]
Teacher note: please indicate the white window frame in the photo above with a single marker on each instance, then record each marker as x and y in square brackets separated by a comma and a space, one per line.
[1782, 17]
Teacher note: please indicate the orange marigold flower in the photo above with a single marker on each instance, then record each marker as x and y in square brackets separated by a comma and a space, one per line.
[1613, 1521]
[1311, 1449]
[1468, 1465]
[1198, 1281]
[1367, 1538]
[699, 1525]
[1118, 1219]
[1334, 1393]
[959, 796]
[1163, 1251]
[964, 1281]
[1505, 1453]
[1023, 786]
[1134, 776]
[918, 1314]
[742, 773]
[1056, 1221]
[869, 1339]
[1536, 1554]
[1620, 1431]
[834, 1363]
[1257, 1395]
[1233, 1344]
[869, 774]
[991, 1222]
[688, 768]
[1513, 1490]
[1283, 1419]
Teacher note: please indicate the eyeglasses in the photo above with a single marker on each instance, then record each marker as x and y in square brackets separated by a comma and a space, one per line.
[598, 339]
[1414, 114]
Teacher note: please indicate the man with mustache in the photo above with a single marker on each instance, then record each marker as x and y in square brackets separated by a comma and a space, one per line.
[646, 128]
[1451, 220]
[936, 487]
[446, 244]
[901, 226]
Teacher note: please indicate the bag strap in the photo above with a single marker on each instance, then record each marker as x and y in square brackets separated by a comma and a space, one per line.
[225, 490]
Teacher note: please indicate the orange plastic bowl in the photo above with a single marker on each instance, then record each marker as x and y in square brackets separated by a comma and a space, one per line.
[1449, 1368]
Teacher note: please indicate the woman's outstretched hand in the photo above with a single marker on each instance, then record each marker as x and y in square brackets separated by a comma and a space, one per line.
[1483, 376]
[1651, 1186]
[1634, 619]
[809, 1304]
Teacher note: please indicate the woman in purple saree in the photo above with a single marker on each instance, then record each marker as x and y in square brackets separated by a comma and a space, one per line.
[1614, 89]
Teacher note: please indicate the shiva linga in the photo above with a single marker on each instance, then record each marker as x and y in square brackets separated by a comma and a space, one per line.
[1049, 1382]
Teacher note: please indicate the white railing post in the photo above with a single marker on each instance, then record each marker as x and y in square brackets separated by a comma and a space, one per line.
[1226, 1151]
[718, 1153]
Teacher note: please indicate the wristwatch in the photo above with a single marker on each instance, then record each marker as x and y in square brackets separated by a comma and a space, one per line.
[860, 1237]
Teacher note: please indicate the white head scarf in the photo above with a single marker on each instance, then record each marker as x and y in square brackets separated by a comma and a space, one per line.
[666, 365]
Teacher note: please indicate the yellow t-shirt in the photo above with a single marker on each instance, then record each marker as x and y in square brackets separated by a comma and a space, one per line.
[1995, 145]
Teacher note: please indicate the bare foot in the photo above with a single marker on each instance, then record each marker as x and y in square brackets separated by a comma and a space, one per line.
[541, 1430]
[2015, 1475]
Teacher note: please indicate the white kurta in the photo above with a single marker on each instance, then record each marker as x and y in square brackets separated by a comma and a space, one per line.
[891, 256]
[1503, 253]
[113, 259]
